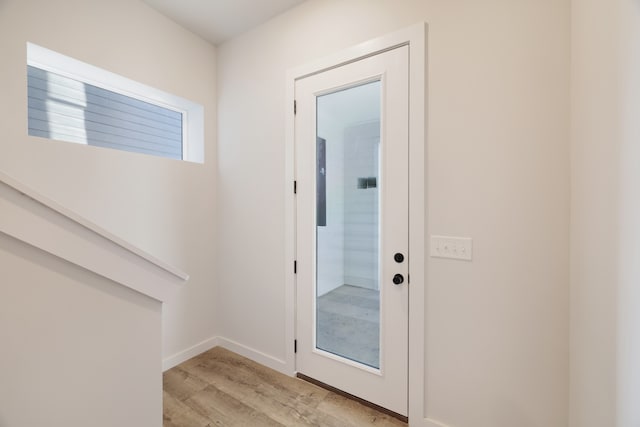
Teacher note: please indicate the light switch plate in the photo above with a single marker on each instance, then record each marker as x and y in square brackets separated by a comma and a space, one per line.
[452, 247]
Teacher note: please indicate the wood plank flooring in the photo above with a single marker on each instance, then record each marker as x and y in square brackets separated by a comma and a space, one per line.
[221, 388]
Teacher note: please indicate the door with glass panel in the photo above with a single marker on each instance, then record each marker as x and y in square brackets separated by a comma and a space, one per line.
[351, 131]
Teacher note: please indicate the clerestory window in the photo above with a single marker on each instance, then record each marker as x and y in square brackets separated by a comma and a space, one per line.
[69, 100]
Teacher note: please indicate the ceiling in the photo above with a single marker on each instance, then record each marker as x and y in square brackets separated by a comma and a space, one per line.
[220, 20]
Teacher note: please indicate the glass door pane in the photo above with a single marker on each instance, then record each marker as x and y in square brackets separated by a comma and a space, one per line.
[348, 222]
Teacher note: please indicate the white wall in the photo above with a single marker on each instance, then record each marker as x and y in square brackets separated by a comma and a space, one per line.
[162, 206]
[361, 206]
[605, 214]
[77, 349]
[498, 146]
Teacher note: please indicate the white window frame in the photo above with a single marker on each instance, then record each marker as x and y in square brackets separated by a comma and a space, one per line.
[192, 113]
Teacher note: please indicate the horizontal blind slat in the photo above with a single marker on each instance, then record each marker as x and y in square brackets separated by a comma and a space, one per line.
[79, 98]
[52, 116]
[47, 78]
[65, 109]
[127, 121]
[84, 136]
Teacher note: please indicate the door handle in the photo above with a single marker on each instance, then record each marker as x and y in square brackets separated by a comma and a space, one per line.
[398, 279]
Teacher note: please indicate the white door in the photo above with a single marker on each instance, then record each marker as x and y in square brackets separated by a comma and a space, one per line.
[351, 151]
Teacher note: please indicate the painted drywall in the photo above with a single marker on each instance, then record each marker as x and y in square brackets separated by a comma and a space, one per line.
[498, 171]
[165, 207]
[605, 213]
[77, 349]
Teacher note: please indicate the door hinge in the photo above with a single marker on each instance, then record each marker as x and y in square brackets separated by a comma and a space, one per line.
[295, 187]
[295, 346]
[295, 267]
[295, 107]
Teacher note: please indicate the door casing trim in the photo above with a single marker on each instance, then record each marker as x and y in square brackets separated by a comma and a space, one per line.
[416, 38]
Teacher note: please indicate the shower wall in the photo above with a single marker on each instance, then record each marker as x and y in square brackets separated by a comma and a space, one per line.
[361, 190]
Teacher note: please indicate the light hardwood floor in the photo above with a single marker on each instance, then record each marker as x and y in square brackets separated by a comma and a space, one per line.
[221, 388]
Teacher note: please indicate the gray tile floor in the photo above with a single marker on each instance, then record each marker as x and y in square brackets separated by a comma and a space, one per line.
[349, 324]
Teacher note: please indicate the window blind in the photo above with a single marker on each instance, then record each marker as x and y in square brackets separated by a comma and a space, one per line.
[65, 109]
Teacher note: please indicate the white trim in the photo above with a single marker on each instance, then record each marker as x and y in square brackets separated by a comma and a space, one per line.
[193, 113]
[416, 38]
[427, 422]
[418, 147]
[189, 353]
[217, 341]
[290, 224]
[43, 223]
[255, 355]
[57, 207]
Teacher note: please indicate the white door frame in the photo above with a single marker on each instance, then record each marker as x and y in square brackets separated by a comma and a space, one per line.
[416, 38]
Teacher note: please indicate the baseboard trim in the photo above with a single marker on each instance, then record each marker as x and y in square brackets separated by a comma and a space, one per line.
[255, 355]
[242, 350]
[428, 422]
[189, 353]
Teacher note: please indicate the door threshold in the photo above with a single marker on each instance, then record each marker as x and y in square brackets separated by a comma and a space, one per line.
[386, 411]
